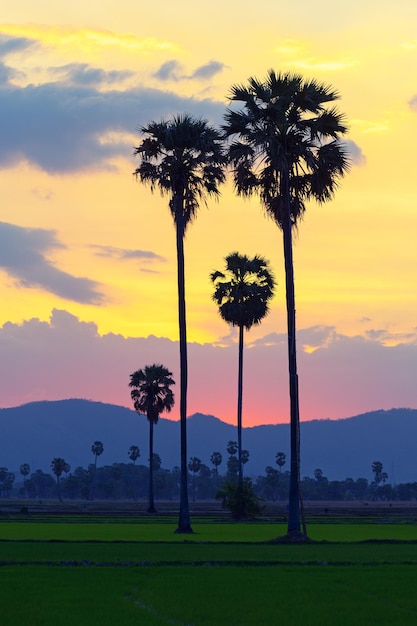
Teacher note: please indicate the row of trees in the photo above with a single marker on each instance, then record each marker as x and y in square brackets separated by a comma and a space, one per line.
[285, 145]
[128, 481]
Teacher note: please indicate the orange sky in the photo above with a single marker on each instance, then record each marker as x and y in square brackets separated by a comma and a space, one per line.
[79, 235]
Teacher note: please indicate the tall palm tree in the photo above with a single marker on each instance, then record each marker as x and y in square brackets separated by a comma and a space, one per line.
[242, 293]
[287, 148]
[184, 159]
[152, 394]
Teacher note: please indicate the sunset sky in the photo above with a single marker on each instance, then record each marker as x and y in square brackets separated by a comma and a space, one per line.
[87, 254]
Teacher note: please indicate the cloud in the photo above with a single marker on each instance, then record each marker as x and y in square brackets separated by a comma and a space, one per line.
[168, 70]
[208, 70]
[344, 376]
[83, 74]
[413, 103]
[355, 152]
[123, 254]
[173, 70]
[6, 73]
[65, 128]
[10, 44]
[23, 256]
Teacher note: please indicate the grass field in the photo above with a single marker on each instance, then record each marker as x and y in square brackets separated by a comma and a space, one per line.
[60, 571]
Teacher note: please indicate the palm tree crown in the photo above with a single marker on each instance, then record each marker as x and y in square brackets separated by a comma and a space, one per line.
[184, 158]
[151, 393]
[289, 142]
[244, 290]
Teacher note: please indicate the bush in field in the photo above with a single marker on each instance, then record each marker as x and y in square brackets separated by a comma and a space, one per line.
[240, 499]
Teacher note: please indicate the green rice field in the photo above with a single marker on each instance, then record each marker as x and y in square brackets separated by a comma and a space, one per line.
[66, 570]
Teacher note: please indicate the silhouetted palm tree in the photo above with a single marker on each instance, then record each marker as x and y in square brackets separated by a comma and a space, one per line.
[194, 466]
[58, 466]
[184, 158]
[216, 459]
[97, 449]
[287, 148]
[25, 471]
[134, 453]
[151, 394]
[280, 459]
[242, 293]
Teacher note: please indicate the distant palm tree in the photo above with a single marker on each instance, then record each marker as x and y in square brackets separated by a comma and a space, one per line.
[280, 459]
[58, 466]
[151, 394]
[194, 466]
[216, 459]
[184, 158]
[287, 148]
[231, 448]
[97, 449]
[242, 293]
[25, 471]
[134, 453]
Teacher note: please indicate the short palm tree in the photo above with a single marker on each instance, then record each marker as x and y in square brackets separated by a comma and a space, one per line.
[184, 159]
[287, 147]
[58, 466]
[242, 292]
[152, 394]
[134, 454]
[24, 470]
[97, 449]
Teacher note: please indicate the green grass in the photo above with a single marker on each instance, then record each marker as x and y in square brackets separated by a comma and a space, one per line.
[212, 596]
[130, 553]
[65, 573]
[136, 531]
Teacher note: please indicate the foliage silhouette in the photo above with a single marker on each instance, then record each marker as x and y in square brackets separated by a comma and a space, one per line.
[152, 394]
[242, 293]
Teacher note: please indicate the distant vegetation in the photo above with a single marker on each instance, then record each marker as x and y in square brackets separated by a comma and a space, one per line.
[130, 481]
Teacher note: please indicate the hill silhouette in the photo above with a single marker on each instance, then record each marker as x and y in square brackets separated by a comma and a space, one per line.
[37, 432]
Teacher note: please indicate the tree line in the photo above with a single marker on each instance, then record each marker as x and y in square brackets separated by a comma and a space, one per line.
[130, 481]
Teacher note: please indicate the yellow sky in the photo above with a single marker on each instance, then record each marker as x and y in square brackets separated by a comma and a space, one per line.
[355, 258]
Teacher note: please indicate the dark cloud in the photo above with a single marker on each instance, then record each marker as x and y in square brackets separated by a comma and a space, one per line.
[168, 71]
[120, 253]
[23, 256]
[61, 128]
[83, 74]
[208, 70]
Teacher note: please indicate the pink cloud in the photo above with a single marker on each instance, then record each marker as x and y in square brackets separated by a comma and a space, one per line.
[339, 376]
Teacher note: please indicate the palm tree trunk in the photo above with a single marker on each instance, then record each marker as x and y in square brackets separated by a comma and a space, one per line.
[151, 505]
[294, 490]
[184, 524]
[239, 406]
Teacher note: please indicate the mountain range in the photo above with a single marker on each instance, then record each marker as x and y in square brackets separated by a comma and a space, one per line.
[37, 432]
